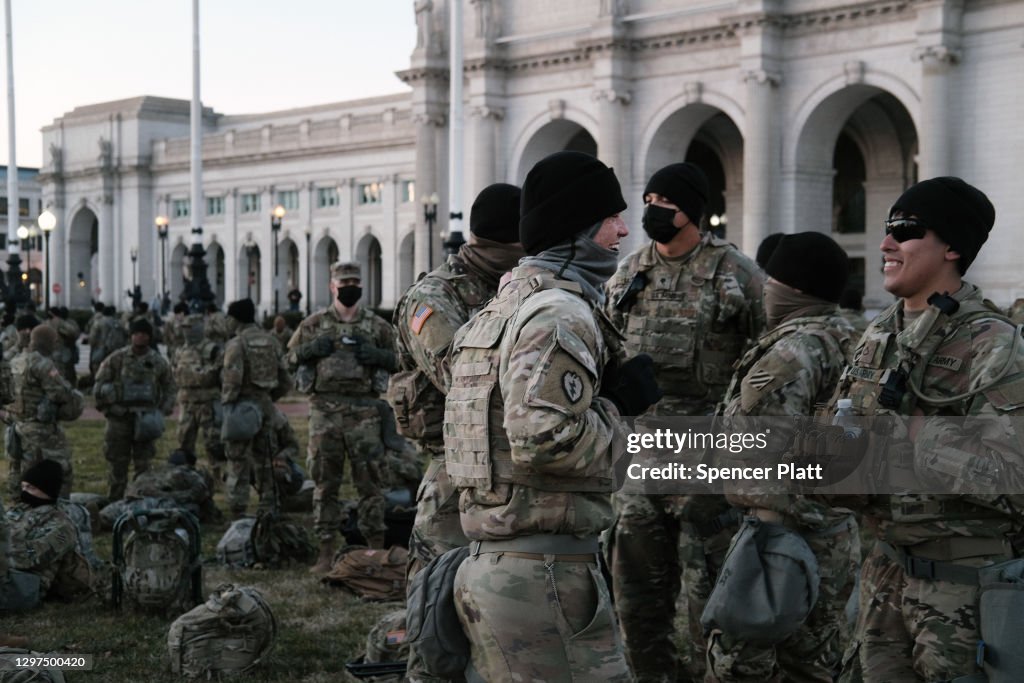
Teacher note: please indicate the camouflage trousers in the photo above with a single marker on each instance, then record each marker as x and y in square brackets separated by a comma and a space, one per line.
[436, 530]
[196, 419]
[353, 432]
[538, 620]
[911, 629]
[249, 464]
[813, 653]
[121, 450]
[40, 441]
[653, 556]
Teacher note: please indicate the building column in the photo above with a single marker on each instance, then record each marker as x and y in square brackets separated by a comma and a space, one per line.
[935, 155]
[610, 121]
[112, 261]
[760, 158]
[483, 153]
[427, 182]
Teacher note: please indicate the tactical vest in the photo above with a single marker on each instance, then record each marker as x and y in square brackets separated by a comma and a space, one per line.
[477, 450]
[878, 356]
[137, 383]
[28, 391]
[261, 359]
[192, 369]
[667, 322]
[418, 405]
[341, 372]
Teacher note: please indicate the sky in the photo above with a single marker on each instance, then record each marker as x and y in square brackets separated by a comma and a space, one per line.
[256, 55]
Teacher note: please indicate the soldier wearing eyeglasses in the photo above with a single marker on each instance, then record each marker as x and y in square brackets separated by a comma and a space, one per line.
[939, 352]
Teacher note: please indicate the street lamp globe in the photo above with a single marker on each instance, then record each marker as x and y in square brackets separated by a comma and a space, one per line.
[47, 221]
[22, 232]
[279, 212]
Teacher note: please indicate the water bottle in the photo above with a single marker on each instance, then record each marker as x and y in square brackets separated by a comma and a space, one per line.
[845, 418]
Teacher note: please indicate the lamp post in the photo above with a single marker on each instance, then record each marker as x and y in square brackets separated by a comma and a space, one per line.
[309, 290]
[430, 216]
[23, 237]
[47, 222]
[162, 231]
[275, 227]
[135, 294]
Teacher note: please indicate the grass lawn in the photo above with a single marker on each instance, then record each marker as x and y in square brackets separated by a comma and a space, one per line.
[319, 628]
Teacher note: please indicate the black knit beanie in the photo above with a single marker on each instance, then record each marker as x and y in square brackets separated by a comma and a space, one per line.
[47, 476]
[243, 310]
[685, 185]
[495, 213]
[564, 194]
[960, 214]
[766, 248]
[140, 325]
[26, 322]
[811, 262]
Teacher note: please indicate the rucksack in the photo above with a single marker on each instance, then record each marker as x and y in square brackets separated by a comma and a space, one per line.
[114, 511]
[82, 520]
[370, 574]
[432, 624]
[268, 540]
[387, 650]
[230, 633]
[156, 561]
[26, 675]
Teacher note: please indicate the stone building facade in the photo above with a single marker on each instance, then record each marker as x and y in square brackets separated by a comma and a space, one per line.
[807, 114]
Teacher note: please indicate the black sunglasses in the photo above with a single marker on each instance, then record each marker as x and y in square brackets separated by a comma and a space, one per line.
[903, 229]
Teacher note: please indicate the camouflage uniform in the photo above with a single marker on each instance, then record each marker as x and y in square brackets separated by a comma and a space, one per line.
[694, 315]
[174, 335]
[105, 337]
[197, 368]
[9, 341]
[427, 316]
[127, 384]
[1016, 311]
[793, 367]
[342, 423]
[526, 371]
[43, 541]
[65, 356]
[41, 397]
[254, 371]
[857, 321]
[283, 336]
[215, 327]
[910, 627]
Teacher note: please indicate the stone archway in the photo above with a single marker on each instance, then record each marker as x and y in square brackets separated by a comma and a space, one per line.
[557, 136]
[82, 259]
[177, 271]
[406, 265]
[215, 271]
[324, 254]
[368, 254]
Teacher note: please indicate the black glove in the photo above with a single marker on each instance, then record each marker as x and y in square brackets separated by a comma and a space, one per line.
[321, 347]
[368, 354]
[632, 386]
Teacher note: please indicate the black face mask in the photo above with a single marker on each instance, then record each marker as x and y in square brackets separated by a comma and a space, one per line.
[349, 295]
[657, 222]
[30, 500]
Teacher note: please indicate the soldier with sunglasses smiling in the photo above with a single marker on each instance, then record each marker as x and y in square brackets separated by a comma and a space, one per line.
[940, 351]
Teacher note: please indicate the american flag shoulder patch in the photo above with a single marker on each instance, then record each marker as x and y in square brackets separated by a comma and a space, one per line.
[760, 379]
[419, 317]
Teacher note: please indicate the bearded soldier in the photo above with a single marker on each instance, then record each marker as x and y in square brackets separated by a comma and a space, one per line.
[691, 301]
[532, 432]
[343, 355]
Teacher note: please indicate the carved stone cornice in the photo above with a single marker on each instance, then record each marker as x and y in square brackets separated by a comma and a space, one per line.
[762, 77]
[612, 95]
[437, 119]
[486, 112]
[936, 55]
[414, 75]
[854, 70]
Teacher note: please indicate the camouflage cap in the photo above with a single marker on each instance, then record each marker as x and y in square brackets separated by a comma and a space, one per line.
[344, 270]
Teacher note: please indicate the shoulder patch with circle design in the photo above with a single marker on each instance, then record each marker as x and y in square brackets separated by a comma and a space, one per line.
[572, 384]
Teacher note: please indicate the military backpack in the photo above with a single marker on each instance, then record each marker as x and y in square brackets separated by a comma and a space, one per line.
[268, 540]
[29, 675]
[371, 574]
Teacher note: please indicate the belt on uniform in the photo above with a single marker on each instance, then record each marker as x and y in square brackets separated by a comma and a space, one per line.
[916, 562]
[564, 547]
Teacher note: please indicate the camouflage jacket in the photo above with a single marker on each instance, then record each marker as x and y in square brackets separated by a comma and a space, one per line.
[68, 333]
[341, 375]
[857, 321]
[174, 335]
[526, 434]
[947, 356]
[789, 370]
[181, 483]
[426, 319]
[9, 341]
[41, 539]
[694, 315]
[5, 543]
[37, 378]
[215, 327]
[107, 335]
[127, 380]
[253, 367]
[283, 337]
[197, 371]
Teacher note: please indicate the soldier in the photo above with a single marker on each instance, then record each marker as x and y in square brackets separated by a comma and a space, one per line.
[793, 366]
[342, 355]
[532, 433]
[105, 337]
[134, 389]
[691, 301]
[197, 369]
[24, 324]
[427, 317]
[65, 355]
[43, 539]
[97, 314]
[215, 324]
[282, 332]
[174, 335]
[9, 336]
[940, 351]
[42, 397]
[254, 374]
